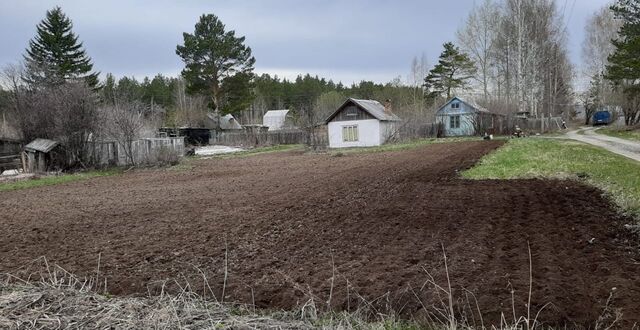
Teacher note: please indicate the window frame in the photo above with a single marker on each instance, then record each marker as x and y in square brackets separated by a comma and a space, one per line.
[454, 121]
[351, 111]
[350, 133]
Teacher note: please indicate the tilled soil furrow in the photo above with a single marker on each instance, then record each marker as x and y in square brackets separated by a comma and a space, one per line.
[366, 226]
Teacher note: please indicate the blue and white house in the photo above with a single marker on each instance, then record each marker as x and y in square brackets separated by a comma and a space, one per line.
[460, 117]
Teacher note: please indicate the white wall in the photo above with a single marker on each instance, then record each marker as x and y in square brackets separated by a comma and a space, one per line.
[274, 123]
[387, 129]
[368, 133]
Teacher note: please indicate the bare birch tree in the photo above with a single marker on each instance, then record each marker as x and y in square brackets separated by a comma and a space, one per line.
[519, 47]
[190, 110]
[124, 123]
[419, 71]
[601, 28]
[477, 38]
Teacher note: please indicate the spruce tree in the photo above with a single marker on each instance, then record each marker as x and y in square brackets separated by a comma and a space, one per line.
[55, 56]
[453, 71]
[217, 64]
[624, 64]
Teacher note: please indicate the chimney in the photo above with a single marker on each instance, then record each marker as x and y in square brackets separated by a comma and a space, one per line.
[388, 106]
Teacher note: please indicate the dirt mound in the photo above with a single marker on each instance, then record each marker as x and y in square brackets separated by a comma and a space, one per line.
[342, 230]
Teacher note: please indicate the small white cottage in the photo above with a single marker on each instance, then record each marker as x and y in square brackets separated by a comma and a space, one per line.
[277, 120]
[460, 117]
[361, 123]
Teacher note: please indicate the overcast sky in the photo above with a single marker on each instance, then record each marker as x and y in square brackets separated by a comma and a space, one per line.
[338, 39]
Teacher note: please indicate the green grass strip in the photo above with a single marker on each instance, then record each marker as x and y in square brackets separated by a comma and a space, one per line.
[50, 180]
[629, 134]
[618, 176]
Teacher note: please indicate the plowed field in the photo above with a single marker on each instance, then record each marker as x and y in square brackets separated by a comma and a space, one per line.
[295, 226]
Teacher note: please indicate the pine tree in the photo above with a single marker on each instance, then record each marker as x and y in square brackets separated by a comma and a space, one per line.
[55, 56]
[453, 71]
[624, 64]
[217, 63]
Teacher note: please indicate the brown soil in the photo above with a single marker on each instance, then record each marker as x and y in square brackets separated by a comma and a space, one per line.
[289, 221]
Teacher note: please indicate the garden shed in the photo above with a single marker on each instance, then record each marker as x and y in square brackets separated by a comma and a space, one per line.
[40, 155]
[361, 123]
[277, 120]
[461, 117]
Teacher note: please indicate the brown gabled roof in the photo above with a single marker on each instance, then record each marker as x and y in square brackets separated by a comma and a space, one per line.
[372, 107]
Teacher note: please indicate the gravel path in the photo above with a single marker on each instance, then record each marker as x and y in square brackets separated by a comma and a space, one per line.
[619, 146]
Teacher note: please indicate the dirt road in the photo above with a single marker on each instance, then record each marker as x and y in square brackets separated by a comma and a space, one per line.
[340, 230]
[629, 149]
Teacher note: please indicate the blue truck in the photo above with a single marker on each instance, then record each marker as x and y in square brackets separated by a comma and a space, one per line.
[601, 118]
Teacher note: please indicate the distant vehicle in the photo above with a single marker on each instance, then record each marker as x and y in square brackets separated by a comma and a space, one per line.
[601, 118]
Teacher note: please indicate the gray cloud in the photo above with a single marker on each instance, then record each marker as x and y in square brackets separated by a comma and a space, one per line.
[343, 40]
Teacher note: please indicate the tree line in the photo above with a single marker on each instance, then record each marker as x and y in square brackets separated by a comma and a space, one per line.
[611, 52]
[510, 56]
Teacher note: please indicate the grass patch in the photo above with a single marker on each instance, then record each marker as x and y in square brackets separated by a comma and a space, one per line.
[405, 145]
[546, 158]
[631, 133]
[51, 180]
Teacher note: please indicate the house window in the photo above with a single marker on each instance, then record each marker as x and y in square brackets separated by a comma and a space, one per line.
[350, 133]
[454, 122]
[351, 111]
[455, 105]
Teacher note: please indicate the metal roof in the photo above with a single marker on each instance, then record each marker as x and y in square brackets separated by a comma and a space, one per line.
[472, 104]
[276, 113]
[226, 122]
[42, 145]
[374, 108]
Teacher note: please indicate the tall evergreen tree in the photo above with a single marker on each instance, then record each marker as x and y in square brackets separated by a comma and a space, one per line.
[217, 64]
[55, 55]
[624, 63]
[453, 71]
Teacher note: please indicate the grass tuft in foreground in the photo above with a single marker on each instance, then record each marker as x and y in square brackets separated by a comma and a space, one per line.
[50, 180]
[546, 158]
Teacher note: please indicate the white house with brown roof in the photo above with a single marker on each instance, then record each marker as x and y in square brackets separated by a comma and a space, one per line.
[361, 123]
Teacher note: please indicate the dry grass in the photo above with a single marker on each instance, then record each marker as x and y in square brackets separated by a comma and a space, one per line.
[56, 299]
[49, 297]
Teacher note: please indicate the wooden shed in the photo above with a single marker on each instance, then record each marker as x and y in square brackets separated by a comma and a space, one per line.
[40, 155]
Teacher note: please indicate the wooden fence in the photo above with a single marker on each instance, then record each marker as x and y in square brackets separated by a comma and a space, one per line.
[10, 155]
[412, 130]
[143, 151]
[252, 138]
[531, 125]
